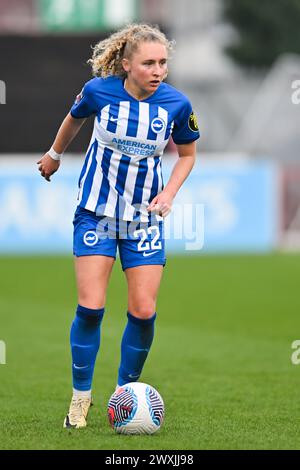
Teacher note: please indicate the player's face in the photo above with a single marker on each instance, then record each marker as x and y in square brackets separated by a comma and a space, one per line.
[147, 67]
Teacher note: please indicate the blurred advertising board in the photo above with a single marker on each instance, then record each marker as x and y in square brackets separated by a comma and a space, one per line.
[240, 205]
[82, 15]
[224, 206]
[18, 16]
[75, 16]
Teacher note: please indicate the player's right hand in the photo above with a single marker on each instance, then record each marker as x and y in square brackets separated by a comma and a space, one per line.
[47, 166]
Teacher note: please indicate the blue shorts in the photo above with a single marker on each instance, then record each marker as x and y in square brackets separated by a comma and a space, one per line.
[139, 243]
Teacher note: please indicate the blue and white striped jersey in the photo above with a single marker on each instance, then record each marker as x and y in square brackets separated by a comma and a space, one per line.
[122, 169]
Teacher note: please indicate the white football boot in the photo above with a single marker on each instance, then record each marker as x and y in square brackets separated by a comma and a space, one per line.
[78, 411]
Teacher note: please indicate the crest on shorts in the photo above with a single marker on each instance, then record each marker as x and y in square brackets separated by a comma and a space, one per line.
[193, 123]
[90, 238]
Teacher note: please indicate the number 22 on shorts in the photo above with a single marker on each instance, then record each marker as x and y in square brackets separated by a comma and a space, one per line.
[144, 245]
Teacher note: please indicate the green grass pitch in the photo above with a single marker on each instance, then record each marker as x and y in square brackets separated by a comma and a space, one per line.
[221, 357]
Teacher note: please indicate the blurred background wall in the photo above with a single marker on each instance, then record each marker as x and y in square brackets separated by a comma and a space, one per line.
[237, 61]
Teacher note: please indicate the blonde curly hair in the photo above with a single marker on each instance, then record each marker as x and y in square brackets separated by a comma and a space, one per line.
[108, 54]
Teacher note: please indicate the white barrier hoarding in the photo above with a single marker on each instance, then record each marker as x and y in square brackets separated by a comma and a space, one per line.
[223, 206]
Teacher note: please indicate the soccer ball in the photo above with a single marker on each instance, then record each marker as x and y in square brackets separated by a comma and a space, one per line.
[136, 408]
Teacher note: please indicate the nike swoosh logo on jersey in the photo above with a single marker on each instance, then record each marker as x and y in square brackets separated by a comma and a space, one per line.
[113, 119]
[149, 254]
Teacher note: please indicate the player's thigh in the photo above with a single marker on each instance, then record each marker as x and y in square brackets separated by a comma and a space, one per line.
[143, 286]
[92, 276]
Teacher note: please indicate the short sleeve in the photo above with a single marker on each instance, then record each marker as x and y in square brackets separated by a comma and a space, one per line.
[186, 128]
[84, 105]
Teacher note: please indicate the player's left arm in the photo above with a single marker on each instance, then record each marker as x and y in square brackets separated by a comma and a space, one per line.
[162, 203]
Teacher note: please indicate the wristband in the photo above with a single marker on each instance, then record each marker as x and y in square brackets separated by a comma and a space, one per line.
[54, 155]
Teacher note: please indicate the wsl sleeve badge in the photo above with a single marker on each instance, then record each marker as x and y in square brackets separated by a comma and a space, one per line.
[193, 123]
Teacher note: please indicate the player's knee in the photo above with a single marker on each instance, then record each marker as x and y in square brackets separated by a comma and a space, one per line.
[143, 311]
[91, 300]
[90, 303]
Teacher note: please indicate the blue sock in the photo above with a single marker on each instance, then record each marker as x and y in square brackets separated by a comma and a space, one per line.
[136, 343]
[85, 342]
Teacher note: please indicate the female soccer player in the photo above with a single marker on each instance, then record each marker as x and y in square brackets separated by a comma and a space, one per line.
[122, 200]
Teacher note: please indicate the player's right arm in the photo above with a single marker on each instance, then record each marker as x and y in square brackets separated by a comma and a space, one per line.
[66, 133]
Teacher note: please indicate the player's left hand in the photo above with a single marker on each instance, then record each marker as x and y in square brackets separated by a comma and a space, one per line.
[47, 166]
[161, 204]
